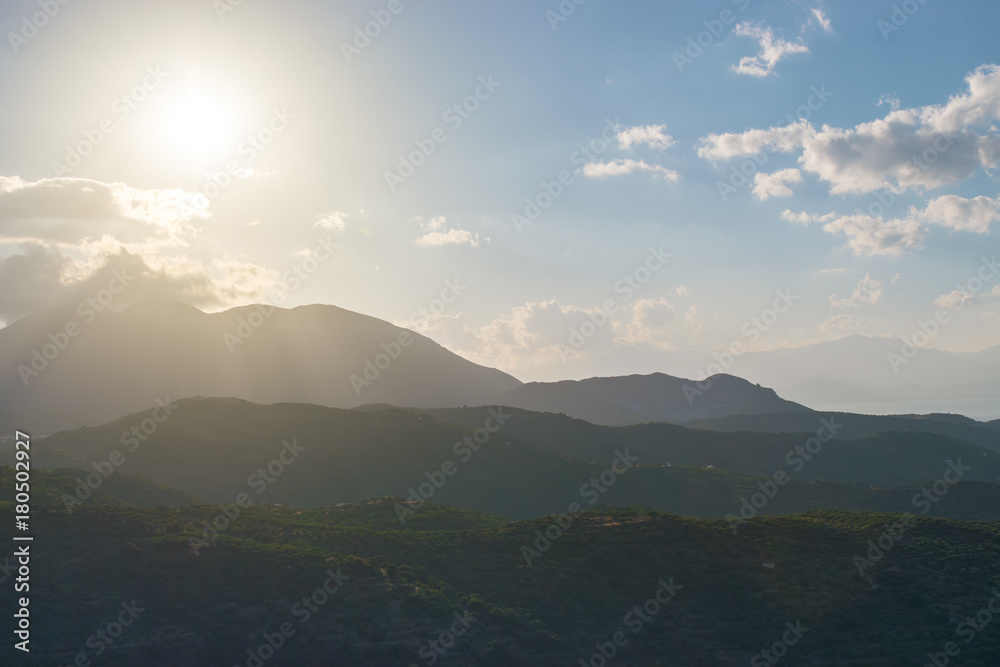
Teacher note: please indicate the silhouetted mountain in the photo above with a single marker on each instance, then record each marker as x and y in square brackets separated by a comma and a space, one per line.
[635, 399]
[889, 458]
[311, 456]
[117, 363]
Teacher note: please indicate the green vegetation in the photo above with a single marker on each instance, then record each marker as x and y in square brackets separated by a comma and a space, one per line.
[209, 607]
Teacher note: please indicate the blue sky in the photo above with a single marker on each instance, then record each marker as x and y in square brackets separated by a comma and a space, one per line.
[803, 223]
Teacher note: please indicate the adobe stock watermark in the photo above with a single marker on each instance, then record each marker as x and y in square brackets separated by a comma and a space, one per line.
[374, 367]
[465, 448]
[968, 629]
[745, 172]
[105, 636]
[225, 7]
[132, 438]
[363, 35]
[259, 480]
[554, 189]
[303, 611]
[291, 280]
[635, 620]
[911, 345]
[88, 310]
[252, 145]
[121, 109]
[432, 650]
[627, 288]
[899, 17]
[796, 460]
[592, 491]
[696, 44]
[779, 649]
[562, 12]
[33, 24]
[450, 293]
[929, 496]
[455, 116]
[372, 370]
[751, 329]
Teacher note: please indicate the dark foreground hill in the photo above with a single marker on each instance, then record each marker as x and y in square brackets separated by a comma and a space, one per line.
[311, 456]
[121, 586]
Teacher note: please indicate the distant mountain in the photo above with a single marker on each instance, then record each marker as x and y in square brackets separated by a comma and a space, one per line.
[68, 368]
[860, 426]
[635, 399]
[117, 363]
[312, 456]
[890, 458]
[861, 369]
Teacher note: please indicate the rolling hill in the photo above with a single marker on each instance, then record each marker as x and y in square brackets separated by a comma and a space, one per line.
[311, 456]
[635, 399]
[679, 591]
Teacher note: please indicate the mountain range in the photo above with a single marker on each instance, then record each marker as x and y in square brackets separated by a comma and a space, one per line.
[69, 368]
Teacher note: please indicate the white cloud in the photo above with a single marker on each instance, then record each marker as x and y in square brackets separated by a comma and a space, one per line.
[450, 237]
[970, 215]
[775, 184]
[73, 210]
[63, 237]
[868, 235]
[625, 166]
[891, 100]
[771, 50]
[895, 279]
[784, 139]
[334, 221]
[654, 136]
[523, 338]
[656, 323]
[40, 276]
[540, 333]
[875, 236]
[437, 234]
[823, 21]
[839, 324]
[919, 148]
[832, 270]
[954, 300]
[801, 218]
[868, 293]
[996, 291]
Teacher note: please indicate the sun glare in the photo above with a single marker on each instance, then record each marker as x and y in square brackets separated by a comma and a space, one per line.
[199, 126]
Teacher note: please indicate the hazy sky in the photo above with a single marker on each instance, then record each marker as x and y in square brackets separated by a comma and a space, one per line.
[216, 150]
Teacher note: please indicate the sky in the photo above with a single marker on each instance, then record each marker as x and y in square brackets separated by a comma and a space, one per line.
[553, 189]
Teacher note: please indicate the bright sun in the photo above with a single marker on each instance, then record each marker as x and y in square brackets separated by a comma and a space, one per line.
[199, 126]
